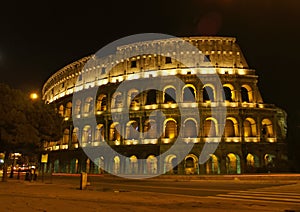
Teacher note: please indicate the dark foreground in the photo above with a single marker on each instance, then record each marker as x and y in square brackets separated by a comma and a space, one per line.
[109, 193]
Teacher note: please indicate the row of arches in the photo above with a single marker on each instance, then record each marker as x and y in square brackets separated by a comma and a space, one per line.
[169, 165]
[169, 95]
[170, 129]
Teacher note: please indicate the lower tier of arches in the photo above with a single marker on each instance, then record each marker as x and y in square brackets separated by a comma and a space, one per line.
[141, 160]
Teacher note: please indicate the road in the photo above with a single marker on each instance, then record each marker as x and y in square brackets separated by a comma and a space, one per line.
[270, 191]
[109, 193]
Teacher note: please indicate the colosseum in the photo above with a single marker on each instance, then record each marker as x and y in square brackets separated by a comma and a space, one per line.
[251, 139]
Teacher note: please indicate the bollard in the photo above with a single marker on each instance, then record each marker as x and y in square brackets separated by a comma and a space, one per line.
[83, 180]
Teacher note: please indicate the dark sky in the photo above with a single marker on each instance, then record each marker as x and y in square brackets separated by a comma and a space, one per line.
[39, 37]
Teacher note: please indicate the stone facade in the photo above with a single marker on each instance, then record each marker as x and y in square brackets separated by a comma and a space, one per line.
[254, 137]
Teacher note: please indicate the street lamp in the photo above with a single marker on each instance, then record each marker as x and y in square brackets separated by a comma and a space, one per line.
[33, 96]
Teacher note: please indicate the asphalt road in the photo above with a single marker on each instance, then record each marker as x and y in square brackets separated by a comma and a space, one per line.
[167, 186]
[174, 193]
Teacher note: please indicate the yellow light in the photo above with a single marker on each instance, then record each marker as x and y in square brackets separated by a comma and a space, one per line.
[33, 96]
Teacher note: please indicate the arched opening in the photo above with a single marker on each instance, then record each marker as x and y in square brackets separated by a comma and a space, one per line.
[189, 93]
[151, 164]
[102, 102]
[61, 110]
[208, 93]
[116, 165]
[117, 100]
[66, 137]
[171, 164]
[213, 165]
[133, 166]
[170, 129]
[75, 136]
[169, 95]
[233, 164]
[133, 98]
[68, 111]
[190, 129]
[210, 129]
[114, 132]
[228, 93]
[151, 97]
[132, 130]
[77, 107]
[99, 133]
[252, 162]
[150, 130]
[88, 105]
[269, 162]
[231, 127]
[86, 135]
[191, 164]
[249, 127]
[246, 93]
[100, 165]
[267, 128]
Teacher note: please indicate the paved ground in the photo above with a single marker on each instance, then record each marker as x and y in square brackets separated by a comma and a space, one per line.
[106, 193]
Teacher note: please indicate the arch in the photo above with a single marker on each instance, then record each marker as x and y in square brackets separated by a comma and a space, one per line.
[249, 127]
[133, 98]
[77, 107]
[116, 165]
[169, 94]
[210, 127]
[99, 133]
[170, 128]
[151, 164]
[61, 110]
[267, 128]
[66, 136]
[189, 93]
[150, 129]
[213, 165]
[231, 127]
[101, 102]
[246, 93]
[132, 130]
[190, 128]
[229, 92]
[86, 134]
[252, 161]
[133, 165]
[269, 160]
[75, 135]
[233, 164]
[68, 111]
[99, 162]
[208, 93]
[170, 164]
[191, 164]
[114, 132]
[117, 100]
[88, 105]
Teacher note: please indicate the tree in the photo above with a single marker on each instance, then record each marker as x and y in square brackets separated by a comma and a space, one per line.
[25, 124]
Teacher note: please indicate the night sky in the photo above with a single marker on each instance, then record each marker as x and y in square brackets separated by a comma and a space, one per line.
[39, 37]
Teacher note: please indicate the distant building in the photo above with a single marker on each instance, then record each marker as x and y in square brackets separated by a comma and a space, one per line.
[254, 137]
